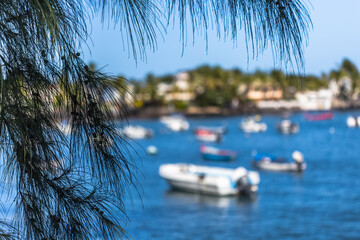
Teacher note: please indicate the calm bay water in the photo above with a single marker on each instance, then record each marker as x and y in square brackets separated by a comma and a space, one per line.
[321, 203]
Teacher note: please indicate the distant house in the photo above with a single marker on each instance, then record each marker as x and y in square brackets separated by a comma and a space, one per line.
[181, 81]
[278, 104]
[258, 92]
[163, 88]
[334, 87]
[178, 90]
[315, 100]
[179, 96]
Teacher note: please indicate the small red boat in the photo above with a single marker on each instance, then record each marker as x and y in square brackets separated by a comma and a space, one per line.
[319, 116]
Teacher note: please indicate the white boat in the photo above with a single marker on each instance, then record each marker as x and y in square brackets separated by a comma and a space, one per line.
[287, 127]
[271, 163]
[250, 125]
[353, 121]
[217, 129]
[210, 180]
[137, 132]
[175, 122]
[208, 136]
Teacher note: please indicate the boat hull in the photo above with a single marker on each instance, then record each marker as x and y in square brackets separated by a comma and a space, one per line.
[292, 129]
[195, 187]
[175, 123]
[219, 129]
[252, 127]
[222, 158]
[279, 167]
[215, 154]
[209, 138]
[319, 117]
[353, 121]
[137, 132]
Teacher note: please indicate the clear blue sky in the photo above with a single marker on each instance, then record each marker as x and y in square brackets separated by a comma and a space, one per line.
[335, 36]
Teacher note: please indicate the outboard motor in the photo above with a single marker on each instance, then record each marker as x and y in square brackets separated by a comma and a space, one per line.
[299, 160]
[243, 185]
[245, 181]
[241, 179]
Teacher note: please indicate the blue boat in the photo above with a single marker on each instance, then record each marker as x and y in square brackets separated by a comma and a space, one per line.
[215, 154]
[272, 163]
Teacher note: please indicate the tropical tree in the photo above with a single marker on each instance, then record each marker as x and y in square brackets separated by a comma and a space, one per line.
[349, 69]
[73, 187]
[348, 79]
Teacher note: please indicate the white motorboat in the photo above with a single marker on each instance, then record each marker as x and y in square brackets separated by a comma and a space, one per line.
[210, 180]
[249, 125]
[353, 121]
[175, 122]
[205, 135]
[272, 163]
[287, 127]
[137, 132]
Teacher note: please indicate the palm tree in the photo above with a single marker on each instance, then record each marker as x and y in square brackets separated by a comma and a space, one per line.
[73, 187]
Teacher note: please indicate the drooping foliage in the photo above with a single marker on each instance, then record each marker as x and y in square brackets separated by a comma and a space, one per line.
[281, 24]
[74, 186]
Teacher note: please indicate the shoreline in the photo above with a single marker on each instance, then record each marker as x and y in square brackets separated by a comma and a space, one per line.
[156, 112]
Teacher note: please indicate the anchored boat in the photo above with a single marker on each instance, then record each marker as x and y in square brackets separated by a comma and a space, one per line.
[249, 125]
[216, 154]
[217, 129]
[175, 122]
[319, 116]
[287, 127]
[137, 132]
[272, 163]
[353, 121]
[208, 135]
[210, 180]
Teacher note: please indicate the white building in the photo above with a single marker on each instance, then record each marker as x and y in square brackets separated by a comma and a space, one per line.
[178, 90]
[163, 88]
[278, 104]
[179, 96]
[315, 100]
[181, 81]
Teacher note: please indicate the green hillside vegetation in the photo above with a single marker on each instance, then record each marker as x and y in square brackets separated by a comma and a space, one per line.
[215, 86]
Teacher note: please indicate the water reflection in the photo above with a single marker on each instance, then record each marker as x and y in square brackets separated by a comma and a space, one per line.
[208, 200]
[297, 175]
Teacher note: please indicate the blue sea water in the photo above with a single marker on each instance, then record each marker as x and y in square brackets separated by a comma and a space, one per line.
[321, 203]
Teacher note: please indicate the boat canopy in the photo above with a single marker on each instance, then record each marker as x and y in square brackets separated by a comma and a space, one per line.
[269, 157]
[261, 156]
